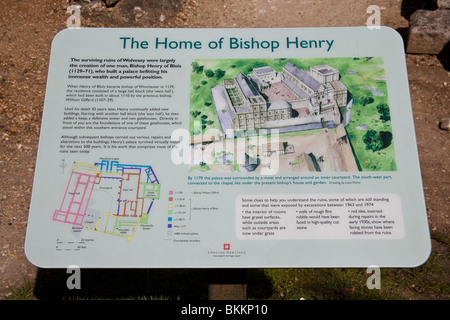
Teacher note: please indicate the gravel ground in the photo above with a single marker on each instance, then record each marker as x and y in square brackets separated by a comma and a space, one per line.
[26, 32]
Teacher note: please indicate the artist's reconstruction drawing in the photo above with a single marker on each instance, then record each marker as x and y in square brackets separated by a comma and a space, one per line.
[291, 100]
[309, 109]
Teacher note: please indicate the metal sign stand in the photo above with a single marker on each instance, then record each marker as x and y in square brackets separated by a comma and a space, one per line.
[227, 284]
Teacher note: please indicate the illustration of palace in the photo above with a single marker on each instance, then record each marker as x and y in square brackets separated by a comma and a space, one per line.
[290, 100]
[267, 102]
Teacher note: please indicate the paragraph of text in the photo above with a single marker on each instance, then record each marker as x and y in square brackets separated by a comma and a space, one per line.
[330, 216]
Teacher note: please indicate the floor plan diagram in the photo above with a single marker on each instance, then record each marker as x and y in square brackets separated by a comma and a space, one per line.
[109, 197]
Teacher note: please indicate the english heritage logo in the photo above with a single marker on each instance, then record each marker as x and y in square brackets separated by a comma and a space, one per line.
[226, 252]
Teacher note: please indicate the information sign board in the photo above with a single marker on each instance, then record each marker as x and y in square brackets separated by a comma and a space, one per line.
[227, 148]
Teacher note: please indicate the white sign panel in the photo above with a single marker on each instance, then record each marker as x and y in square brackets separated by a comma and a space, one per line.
[227, 148]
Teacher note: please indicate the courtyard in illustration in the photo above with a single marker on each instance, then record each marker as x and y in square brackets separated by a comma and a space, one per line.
[311, 114]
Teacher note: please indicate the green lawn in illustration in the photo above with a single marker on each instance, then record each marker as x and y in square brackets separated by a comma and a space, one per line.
[364, 77]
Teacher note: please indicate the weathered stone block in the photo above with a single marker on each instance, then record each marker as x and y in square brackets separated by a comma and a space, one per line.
[441, 4]
[445, 125]
[429, 31]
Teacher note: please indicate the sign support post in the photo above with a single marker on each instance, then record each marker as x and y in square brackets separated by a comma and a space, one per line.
[227, 284]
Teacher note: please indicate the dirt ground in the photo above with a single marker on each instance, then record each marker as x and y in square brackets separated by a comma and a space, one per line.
[26, 32]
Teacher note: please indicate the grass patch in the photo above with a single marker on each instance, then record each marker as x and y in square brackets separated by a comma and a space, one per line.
[440, 237]
[23, 292]
[326, 284]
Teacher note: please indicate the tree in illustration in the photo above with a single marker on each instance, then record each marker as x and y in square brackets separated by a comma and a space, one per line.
[219, 73]
[365, 100]
[373, 140]
[196, 67]
[383, 110]
[209, 73]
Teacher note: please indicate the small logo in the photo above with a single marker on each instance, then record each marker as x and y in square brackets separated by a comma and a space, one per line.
[226, 252]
